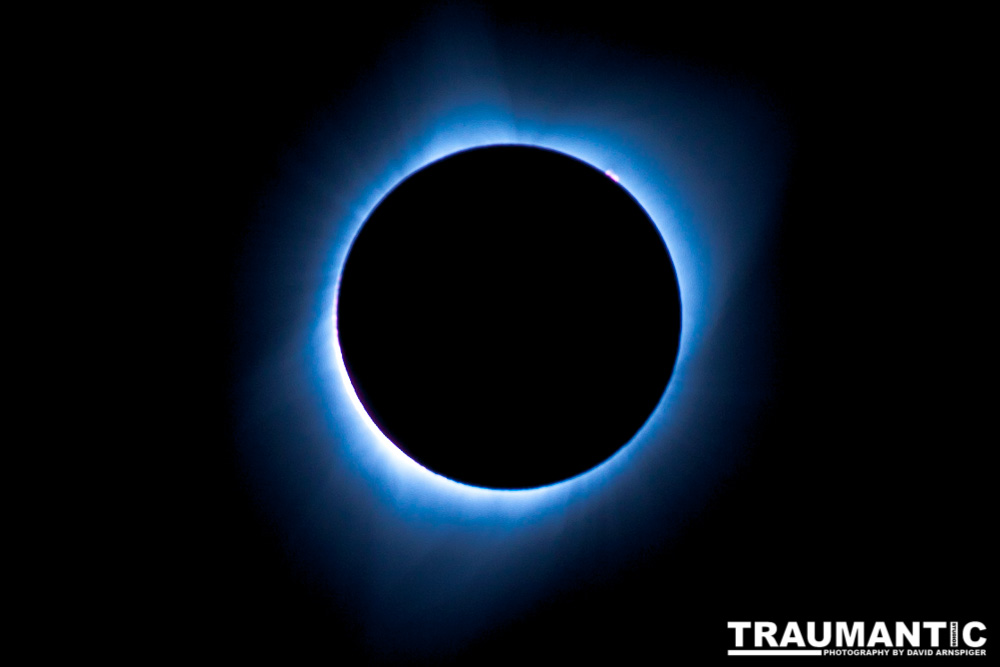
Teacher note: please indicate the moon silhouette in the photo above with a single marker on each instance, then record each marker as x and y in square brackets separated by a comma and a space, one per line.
[509, 316]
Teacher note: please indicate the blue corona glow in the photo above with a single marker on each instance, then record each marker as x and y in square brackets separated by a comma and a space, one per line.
[422, 563]
[405, 479]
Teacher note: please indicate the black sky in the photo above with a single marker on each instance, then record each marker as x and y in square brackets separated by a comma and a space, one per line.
[860, 491]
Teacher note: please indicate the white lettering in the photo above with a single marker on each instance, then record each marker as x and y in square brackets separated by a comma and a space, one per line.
[880, 635]
[739, 626]
[827, 634]
[935, 627]
[765, 630]
[856, 636]
[967, 634]
[912, 634]
[792, 635]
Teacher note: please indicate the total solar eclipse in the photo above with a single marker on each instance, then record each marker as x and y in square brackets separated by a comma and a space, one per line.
[509, 316]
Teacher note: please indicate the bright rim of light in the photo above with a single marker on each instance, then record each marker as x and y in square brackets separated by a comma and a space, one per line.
[394, 473]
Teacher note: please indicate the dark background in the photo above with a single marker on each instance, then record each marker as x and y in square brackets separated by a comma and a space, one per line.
[861, 489]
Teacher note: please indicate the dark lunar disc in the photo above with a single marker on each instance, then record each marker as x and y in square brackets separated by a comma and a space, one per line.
[509, 316]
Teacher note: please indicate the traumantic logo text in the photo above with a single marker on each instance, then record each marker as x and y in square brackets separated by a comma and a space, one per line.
[841, 638]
